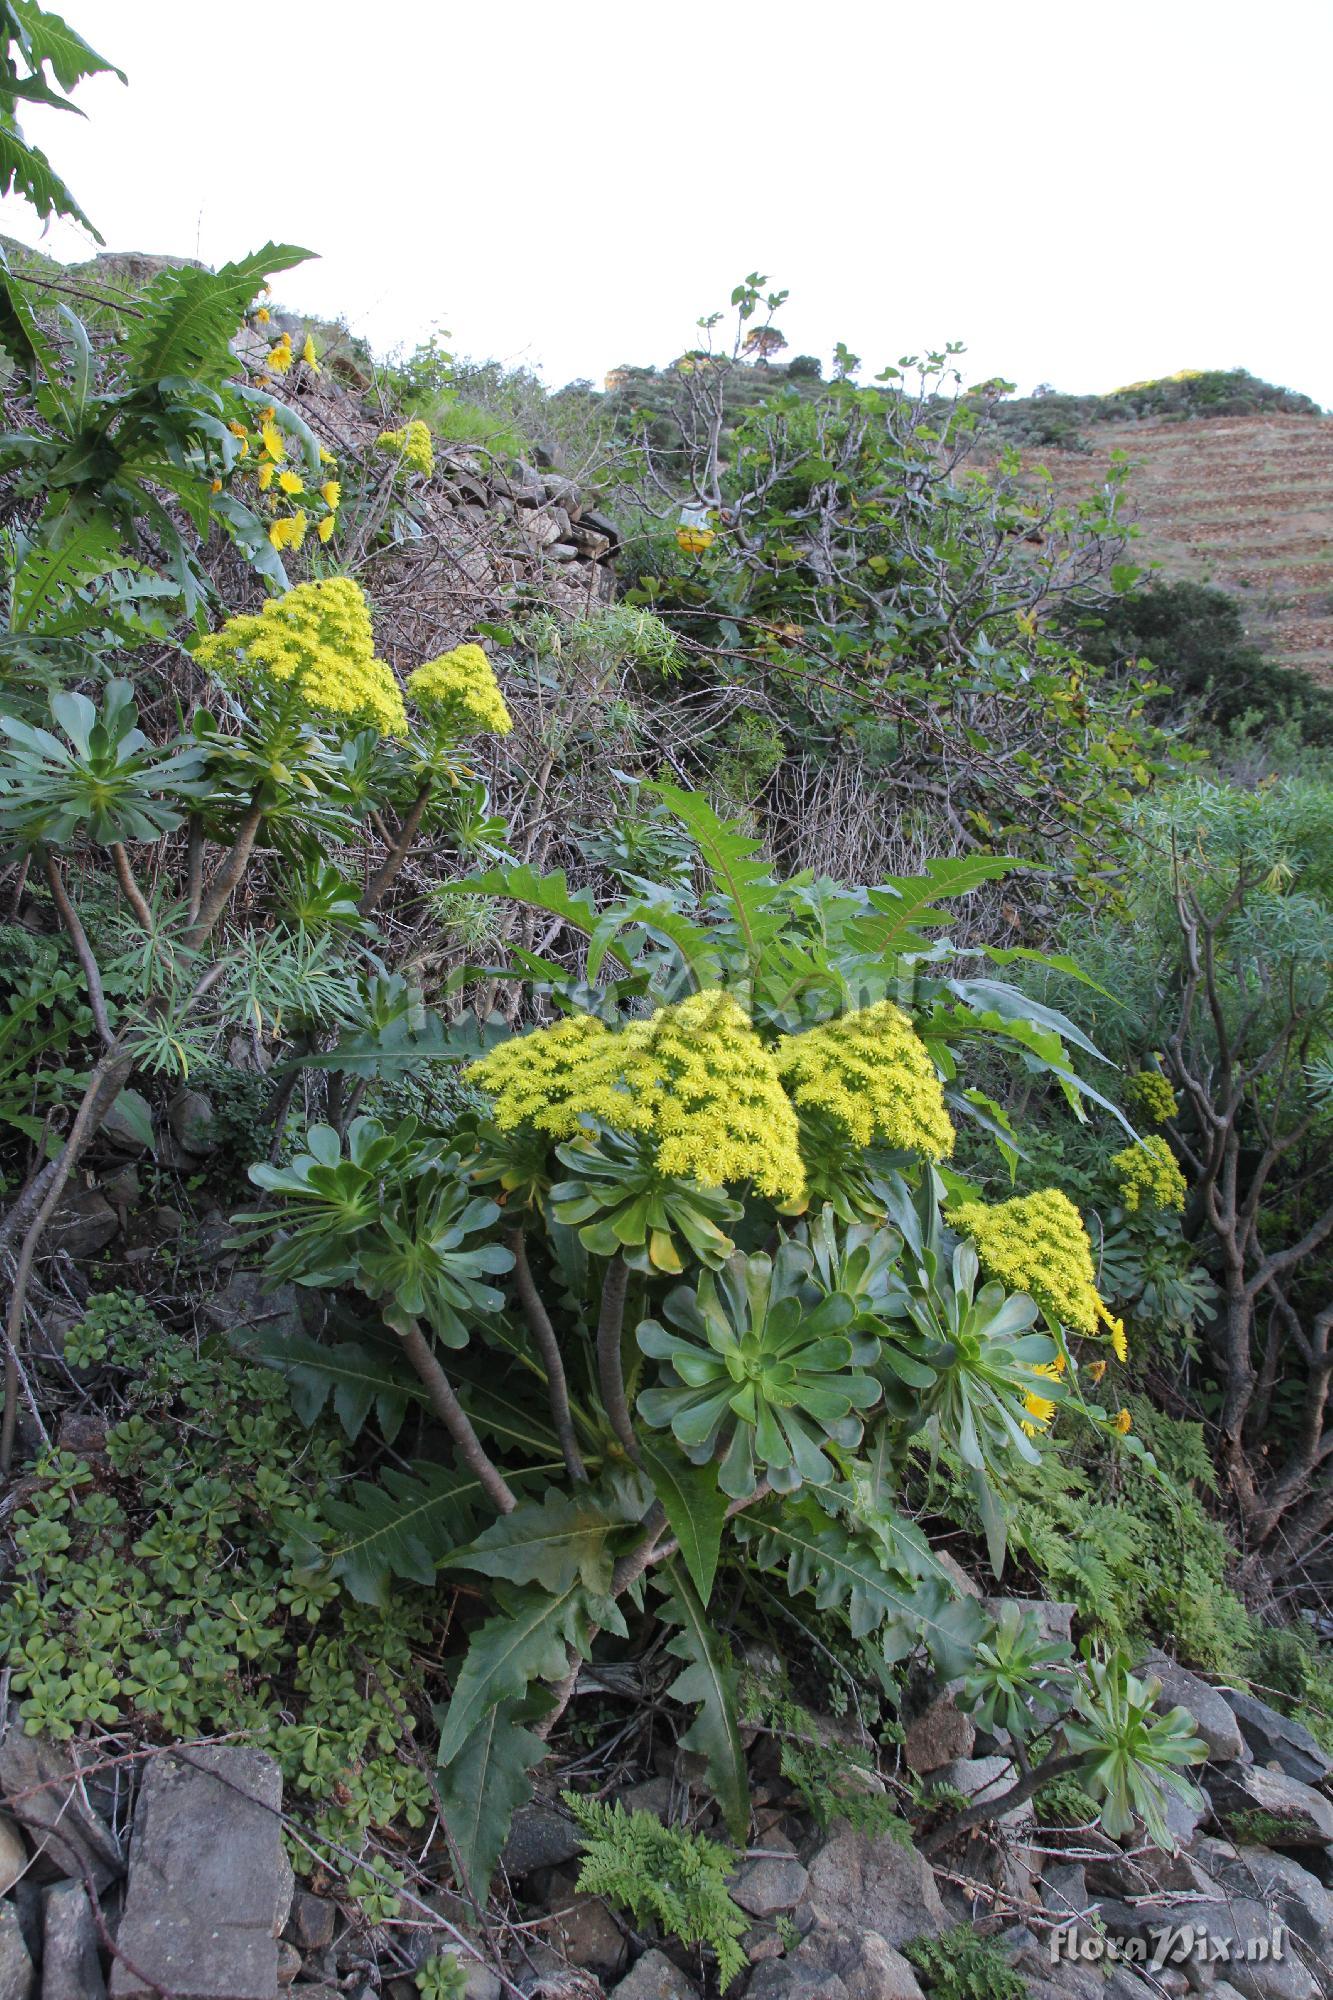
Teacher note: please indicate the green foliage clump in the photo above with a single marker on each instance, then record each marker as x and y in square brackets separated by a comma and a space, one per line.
[676, 1877]
[961, 1965]
[177, 1584]
[1295, 1672]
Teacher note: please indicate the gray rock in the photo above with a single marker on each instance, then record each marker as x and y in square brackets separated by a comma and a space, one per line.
[71, 1968]
[311, 1922]
[868, 1967]
[122, 1130]
[41, 1782]
[764, 1887]
[1276, 1739]
[654, 1977]
[248, 1300]
[1298, 1897]
[1259, 1807]
[983, 1780]
[83, 1224]
[587, 1934]
[939, 1735]
[17, 1978]
[652, 1796]
[539, 1837]
[1054, 1620]
[13, 1855]
[563, 552]
[1243, 1926]
[1214, 1719]
[794, 1979]
[761, 1942]
[289, 1963]
[858, 1881]
[209, 1887]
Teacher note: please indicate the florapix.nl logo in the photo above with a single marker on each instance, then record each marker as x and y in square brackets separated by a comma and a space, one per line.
[1160, 1946]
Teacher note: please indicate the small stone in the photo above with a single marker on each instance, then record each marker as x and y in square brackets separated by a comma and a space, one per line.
[193, 1122]
[767, 1886]
[1261, 1808]
[1210, 1710]
[654, 1977]
[13, 1855]
[17, 1977]
[863, 1881]
[1277, 1739]
[289, 1963]
[310, 1925]
[939, 1735]
[65, 1833]
[71, 1968]
[869, 1968]
[652, 1796]
[792, 1979]
[539, 1837]
[83, 1224]
[761, 1942]
[1054, 1620]
[984, 1780]
[589, 1935]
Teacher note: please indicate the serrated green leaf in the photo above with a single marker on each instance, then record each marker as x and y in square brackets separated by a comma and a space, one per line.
[484, 1785]
[553, 1543]
[527, 1640]
[696, 1506]
[711, 1680]
[406, 1526]
[358, 1378]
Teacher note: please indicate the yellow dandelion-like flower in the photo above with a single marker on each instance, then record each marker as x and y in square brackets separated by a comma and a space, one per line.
[215, 486]
[1124, 1423]
[326, 527]
[265, 477]
[331, 493]
[263, 315]
[274, 442]
[460, 690]
[280, 356]
[1149, 1176]
[326, 457]
[291, 482]
[871, 1073]
[1119, 1340]
[308, 354]
[238, 430]
[315, 642]
[1037, 1244]
[1096, 1369]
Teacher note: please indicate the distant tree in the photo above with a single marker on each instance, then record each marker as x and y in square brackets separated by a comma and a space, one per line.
[763, 342]
[806, 367]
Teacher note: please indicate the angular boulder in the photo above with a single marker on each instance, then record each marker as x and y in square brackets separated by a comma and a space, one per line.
[71, 1966]
[1212, 1711]
[42, 1781]
[862, 1881]
[210, 1888]
[1277, 1739]
[1256, 1807]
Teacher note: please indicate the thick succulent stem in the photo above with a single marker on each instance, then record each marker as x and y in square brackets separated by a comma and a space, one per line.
[610, 1373]
[442, 1399]
[543, 1333]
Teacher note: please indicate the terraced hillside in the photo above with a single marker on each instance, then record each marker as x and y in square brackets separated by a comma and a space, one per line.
[1243, 502]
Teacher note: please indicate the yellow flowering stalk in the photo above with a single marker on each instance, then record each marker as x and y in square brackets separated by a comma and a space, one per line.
[412, 444]
[719, 1110]
[317, 642]
[555, 1077]
[1037, 1244]
[1040, 1408]
[1149, 1176]
[871, 1073]
[309, 356]
[695, 1077]
[459, 689]
[1151, 1096]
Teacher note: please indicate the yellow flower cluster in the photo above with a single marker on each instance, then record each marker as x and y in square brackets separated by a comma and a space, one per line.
[280, 354]
[316, 640]
[1040, 1408]
[694, 1075]
[555, 1076]
[871, 1073]
[1151, 1096]
[460, 689]
[1148, 1175]
[412, 445]
[719, 1109]
[1037, 1244]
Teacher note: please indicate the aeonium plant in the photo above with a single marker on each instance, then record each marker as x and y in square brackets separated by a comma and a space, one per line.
[681, 1329]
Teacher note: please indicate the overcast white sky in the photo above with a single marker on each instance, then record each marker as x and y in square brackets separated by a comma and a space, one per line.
[1085, 195]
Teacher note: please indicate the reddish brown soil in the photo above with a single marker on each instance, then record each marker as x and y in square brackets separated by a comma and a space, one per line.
[1242, 502]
